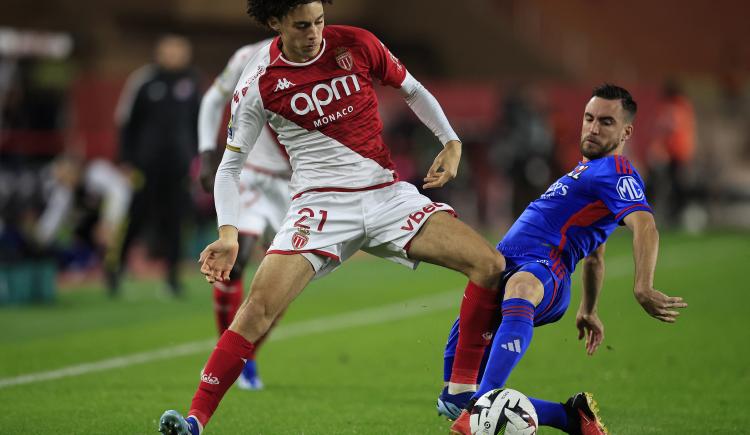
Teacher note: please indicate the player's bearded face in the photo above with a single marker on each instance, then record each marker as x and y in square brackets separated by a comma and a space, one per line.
[603, 128]
[593, 148]
[301, 31]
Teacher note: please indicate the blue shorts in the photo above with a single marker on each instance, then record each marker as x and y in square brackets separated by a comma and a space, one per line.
[554, 278]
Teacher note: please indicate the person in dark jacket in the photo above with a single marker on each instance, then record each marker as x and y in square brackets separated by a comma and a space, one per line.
[157, 117]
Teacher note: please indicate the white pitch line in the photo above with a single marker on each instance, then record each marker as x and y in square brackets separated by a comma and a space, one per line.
[616, 267]
[370, 316]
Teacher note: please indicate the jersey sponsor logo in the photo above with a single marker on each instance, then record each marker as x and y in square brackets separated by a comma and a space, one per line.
[300, 238]
[576, 173]
[283, 84]
[258, 72]
[333, 116]
[323, 94]
[629, 189]
[557, 189]
[344, 59]
[418, 216]
[209, 378]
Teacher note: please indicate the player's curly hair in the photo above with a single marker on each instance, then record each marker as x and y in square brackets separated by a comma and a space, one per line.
[263, 10]
[609, 91]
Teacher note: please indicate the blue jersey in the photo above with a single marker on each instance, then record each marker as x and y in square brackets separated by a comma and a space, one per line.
[577, 213]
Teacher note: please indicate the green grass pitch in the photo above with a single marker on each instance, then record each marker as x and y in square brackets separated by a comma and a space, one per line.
[360, 352]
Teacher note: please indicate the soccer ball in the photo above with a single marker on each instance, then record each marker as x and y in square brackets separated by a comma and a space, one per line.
[503, 411]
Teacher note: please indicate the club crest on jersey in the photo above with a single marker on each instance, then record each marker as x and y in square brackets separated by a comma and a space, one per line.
[344, 59]
[300, 238]
[576, 173]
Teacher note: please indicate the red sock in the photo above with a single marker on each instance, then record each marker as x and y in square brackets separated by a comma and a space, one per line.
[479, 310]
[227, 300]
[222, 369]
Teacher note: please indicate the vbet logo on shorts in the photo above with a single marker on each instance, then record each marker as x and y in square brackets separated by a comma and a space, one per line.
[629, 189]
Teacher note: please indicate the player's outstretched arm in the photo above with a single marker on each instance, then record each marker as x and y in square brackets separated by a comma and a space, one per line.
[445, 166]
[587, 319]
[645, 251]
[428, 110]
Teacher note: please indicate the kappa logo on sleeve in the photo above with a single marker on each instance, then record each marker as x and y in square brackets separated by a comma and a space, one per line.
[629, 189]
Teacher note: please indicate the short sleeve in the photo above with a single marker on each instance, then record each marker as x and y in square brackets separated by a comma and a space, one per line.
[247, 118]
[227, 80]
[623, 192]
[383, 64]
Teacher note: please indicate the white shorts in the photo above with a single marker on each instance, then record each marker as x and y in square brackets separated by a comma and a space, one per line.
[328, 227]
[264, 201]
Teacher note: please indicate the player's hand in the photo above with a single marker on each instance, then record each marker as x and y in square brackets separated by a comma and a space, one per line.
[660, 306]
[592, 328]
[445, 166]
[207, 174]
[219, 257]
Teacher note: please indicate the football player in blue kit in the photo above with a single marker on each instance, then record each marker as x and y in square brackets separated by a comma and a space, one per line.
[570, 222]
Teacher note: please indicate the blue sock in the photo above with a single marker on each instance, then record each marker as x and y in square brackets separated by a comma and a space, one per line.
[450, 352]
[510, 343]
[550, 413]
[250, 370]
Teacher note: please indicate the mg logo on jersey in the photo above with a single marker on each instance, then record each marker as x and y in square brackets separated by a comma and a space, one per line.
[323, 94]
[629, 189]
[283, 84]
[300, 238]
[344, 59]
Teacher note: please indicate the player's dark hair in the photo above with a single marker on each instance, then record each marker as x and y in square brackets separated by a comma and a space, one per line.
[263, 10]
[609, 91]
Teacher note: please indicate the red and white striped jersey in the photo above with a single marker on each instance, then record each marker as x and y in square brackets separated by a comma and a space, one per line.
[324, 111]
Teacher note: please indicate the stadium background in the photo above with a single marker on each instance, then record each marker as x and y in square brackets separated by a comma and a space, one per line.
[74, 361]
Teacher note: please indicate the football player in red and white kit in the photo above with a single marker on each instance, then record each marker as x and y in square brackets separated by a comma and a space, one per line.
[264, 194]
[313, 84]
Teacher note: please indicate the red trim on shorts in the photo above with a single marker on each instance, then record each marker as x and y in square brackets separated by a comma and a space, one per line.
[346, 189]
[407, 246]
[305, 251]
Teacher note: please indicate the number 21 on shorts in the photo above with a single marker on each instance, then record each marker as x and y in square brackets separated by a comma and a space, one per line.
[308, 213]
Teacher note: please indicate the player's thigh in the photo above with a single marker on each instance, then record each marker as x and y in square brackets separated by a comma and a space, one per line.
[524, 285]
[447, 241]
[278, 281]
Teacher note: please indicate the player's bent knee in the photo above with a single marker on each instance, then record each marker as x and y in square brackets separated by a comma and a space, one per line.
[489, 270]
[524, 285]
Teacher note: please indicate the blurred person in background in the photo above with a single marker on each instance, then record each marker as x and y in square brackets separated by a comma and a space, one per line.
[92, 199]
[157, 116]
[523, 146]
[264, 194]
[671, 152]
